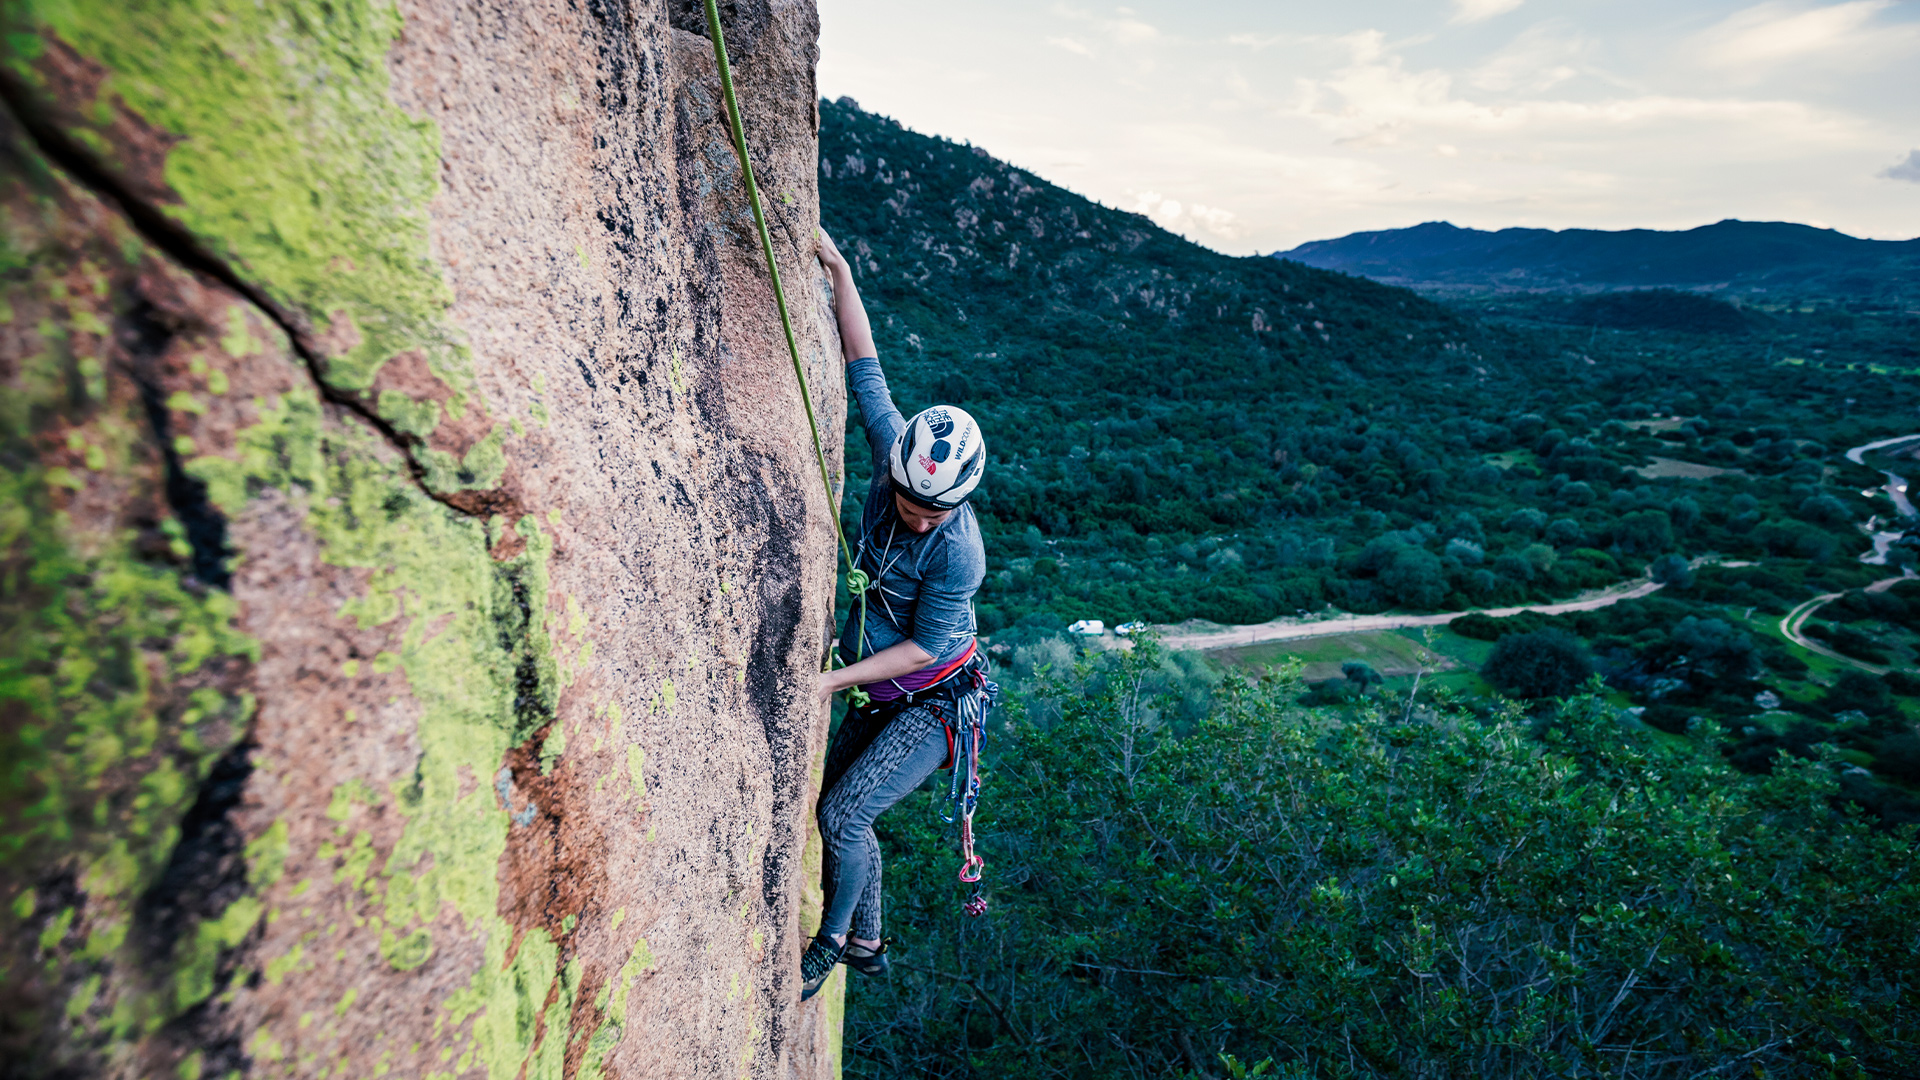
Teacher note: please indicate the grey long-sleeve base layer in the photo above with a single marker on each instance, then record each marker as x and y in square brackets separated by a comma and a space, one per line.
[926, 581]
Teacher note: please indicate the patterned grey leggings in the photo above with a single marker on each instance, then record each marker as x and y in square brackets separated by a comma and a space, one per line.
[871, 765]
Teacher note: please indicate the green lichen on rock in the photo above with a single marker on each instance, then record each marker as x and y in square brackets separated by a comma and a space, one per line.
[118, 672]
[612, 1003]
[80, 619]
[476, 655]
[291, 159]
[107, 663]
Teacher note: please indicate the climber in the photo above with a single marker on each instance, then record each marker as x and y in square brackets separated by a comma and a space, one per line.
[920, 547]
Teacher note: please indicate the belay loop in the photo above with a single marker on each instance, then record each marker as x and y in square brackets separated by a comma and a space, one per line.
[963, 792]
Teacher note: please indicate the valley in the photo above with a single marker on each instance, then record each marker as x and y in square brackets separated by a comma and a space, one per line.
[1484, 615]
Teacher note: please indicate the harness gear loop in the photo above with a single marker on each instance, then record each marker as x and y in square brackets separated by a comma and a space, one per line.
[856, 695]
[963, 791]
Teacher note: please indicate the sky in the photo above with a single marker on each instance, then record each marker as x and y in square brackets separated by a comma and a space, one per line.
[1256, 126]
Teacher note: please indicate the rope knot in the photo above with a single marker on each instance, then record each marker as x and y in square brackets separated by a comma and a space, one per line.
[857, 581]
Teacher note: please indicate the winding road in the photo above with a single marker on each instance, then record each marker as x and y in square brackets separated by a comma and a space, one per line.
[1186, 637]
[1793, 626]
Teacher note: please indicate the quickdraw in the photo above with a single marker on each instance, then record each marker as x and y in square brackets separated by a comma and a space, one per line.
[963, 791]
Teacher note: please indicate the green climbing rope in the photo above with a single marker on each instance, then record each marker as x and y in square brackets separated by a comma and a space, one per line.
[856, 578]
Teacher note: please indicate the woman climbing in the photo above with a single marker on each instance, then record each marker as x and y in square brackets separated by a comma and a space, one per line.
[919, 546]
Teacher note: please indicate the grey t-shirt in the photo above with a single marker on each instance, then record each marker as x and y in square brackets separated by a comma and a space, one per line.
[922, 583]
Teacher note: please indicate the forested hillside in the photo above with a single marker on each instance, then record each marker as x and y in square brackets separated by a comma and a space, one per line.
[1177, 433]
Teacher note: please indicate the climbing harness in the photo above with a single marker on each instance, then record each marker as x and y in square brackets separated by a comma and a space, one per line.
[977, 699]
[856, 579]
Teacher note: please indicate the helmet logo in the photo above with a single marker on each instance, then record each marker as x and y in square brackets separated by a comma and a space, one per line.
[930, 465]
[939, 423]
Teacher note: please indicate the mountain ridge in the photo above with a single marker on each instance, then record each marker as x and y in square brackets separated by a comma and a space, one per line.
[1728, 254]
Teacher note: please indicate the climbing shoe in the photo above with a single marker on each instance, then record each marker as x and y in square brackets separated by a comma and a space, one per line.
[816, 964]
[867, 961]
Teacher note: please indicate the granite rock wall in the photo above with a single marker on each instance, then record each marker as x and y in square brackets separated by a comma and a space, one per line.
[413, 562]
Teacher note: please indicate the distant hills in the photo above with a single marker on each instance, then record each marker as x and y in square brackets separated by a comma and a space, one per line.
[1741, 256]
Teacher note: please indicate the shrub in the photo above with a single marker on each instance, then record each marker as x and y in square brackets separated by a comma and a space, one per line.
[1858, 690]
[1544, 663]
[1898, 757]
[1904, 683]
[1855, 643]
[1667, 717]
[1482, 627]
[1361, 674]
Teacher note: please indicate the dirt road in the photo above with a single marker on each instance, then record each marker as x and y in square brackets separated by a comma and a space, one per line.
[1791, 626]
[1174, 637]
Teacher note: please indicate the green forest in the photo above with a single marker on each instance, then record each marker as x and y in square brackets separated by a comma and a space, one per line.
[1632, 841]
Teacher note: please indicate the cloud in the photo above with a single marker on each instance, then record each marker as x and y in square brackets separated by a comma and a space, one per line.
[1908, 170]
[1773, 32]
[1128, 30]
[1540, 58]
[1175, 216]
[1125, 28]
[1072, 46]
[1466, 11]
[1375, 100]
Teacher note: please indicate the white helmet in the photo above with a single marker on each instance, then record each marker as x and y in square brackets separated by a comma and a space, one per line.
[939, 457]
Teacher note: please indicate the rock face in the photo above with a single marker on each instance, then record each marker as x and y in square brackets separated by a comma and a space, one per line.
[413, 565]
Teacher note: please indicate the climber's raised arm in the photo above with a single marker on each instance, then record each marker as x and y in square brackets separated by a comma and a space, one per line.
[856, 334]
[878, 413]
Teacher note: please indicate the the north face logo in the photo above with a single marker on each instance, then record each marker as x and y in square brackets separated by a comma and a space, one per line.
[928, 464]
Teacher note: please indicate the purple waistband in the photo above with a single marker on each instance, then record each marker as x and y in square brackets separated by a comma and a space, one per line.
[913, 683]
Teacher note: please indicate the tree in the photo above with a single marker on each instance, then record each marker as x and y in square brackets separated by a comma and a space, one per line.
[1645, 866]
[1361, 674]
[1716, 650]
[1415, 578]
[1672, 570]
[1644, 532]
[1528, 521]
[1578, 493]
[1858, 690]
[1564, 532]
[1684, 512]
[1824, 510]
[1513, 567]
[1545, 663]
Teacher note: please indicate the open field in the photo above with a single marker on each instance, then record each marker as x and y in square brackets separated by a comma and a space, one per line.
[1670, 468]
[1398, 655]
